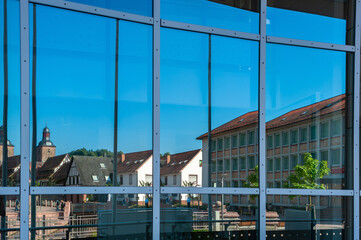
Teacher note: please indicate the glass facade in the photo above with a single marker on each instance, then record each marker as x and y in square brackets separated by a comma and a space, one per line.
[179, 119]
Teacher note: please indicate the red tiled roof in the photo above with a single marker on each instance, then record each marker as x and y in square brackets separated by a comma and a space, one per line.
[178, 161]
[62, 173]
[13, 162]
[47, 170]
[308, 112]
[324, 107]
[242, 121]
[133, 161]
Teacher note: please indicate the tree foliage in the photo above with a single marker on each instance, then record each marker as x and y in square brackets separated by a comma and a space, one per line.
[308, 174]
[252, 179]
[93, 153]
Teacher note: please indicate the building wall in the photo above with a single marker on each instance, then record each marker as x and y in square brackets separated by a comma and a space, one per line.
[43, 153]
[10, 152]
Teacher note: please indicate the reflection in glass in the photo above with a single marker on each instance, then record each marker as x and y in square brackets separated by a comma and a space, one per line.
[308, 217]
[231, 215]
[9, 94]
[306, 115]
[234, 103]
[140, 7]
[9, 211]
[90, 216]
[233, 15]
[184, 103]
[314, 20]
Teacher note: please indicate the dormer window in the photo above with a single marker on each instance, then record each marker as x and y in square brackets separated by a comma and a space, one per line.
[95, 178]
[102, 165]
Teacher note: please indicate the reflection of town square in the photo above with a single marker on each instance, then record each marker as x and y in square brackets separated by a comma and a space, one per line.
[290, 138]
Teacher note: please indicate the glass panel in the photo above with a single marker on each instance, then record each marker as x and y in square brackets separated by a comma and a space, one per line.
[140, 7]
[75, 76]
[306, 217]
[135, 155]
[184, 106]
[9, 94]
[315, 20]
[312, 100]
[10, 216]
[233, 15]
[234, 95]
[94, 216]
[186, 216]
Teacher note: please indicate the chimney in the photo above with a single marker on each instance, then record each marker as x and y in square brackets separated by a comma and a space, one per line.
[168, 159]
[122, 157]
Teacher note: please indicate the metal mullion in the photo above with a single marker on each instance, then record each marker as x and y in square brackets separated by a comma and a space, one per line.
[88, 190]
[95, 10]
[210, 190]
[356, 124]
[262, 120]
[311, 192]
[311, 44]
[25, 118]
[209, 30]
[156, 120]
[9, 191]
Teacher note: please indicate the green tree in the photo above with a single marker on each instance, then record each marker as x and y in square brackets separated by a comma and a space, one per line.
[253, 181]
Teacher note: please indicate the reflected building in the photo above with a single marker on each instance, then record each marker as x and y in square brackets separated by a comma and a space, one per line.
[316, 129]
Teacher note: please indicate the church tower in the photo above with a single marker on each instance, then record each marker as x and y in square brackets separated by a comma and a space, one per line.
[10, 146]
[46, 148]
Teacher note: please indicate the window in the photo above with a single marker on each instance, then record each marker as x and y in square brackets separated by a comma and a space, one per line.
[130, 179]
[166, 180]
[313, 133]
[220, 144]
[242, 163]
[314, 155]
[285, 163]
[324, 130]
[277, 164]
[148, 178]
[285, 140]
[335, 156]
[227, 142]
[278, 184]
[250, 137]
[251, 162]
[102, 165]
[214, 166]
[303, 135]
[131, 195]
[270, 184]
[95, 178]
[214, 144]
[234, 164]
[294, 161]
[277, 140]
[269, 141]
[106, 178]
[193, 179]
[174, 179]
[336, 127]
[324, 155]
[227, 165]
[234, 141]
[270, 165]
[234, 183]
[220, 165]
[121, 179]
[242, 139]
[294, 136]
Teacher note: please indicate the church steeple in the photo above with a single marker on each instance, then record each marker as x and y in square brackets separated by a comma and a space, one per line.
[46, 148]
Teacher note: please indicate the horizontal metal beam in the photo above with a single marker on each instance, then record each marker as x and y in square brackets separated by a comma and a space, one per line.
[9, 190]
[89, 190]
[311, 192]
[95, 10]
[209, 30]
[312, 44]
[210, 190]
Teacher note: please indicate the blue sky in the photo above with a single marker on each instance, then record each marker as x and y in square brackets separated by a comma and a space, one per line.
[75, 74]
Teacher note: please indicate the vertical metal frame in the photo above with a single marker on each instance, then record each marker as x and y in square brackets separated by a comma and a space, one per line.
[356, 124]
[25, 118]
[156, 119]
[262, 120]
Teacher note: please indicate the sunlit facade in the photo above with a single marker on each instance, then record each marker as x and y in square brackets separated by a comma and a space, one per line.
[179, 119]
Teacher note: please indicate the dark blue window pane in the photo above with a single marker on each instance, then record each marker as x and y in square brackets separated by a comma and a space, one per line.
[233, 16]
[140, 7]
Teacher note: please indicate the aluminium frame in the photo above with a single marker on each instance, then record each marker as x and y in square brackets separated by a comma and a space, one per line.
[25, 190]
